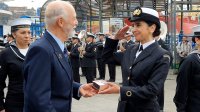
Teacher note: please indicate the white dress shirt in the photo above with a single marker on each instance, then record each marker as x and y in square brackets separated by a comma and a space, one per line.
[145, 45]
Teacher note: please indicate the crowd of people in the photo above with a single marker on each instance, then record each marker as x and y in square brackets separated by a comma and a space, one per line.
[44, 75]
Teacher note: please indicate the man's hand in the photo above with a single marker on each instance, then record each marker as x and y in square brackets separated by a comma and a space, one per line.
[112, 89]
[121, 33]
[87, 90]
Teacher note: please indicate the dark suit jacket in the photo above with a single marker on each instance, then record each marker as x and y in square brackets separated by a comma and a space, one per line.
[128, 44]
[74, 56]
[48, 85]
[89, 57]
[145, 75]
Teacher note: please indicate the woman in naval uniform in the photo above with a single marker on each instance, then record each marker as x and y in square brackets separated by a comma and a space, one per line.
[187, 97]
[145, 65]
[11, 62]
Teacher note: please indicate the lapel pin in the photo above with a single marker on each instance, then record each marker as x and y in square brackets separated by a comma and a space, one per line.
[60, 56]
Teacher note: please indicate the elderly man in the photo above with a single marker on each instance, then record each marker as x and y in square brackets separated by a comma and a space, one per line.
[49, 85]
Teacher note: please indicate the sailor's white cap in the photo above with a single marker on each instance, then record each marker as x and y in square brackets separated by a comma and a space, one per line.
[20, 23]
[90, 35]
[145, 14]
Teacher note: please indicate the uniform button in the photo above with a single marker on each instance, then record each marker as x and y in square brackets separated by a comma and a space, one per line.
[130, 67]
[128, 93]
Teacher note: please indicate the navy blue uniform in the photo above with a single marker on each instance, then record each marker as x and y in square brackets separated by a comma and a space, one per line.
[88, 62]
[146, 75]
[11, 62]
[75, 62]
[101, 64]
[187, 97]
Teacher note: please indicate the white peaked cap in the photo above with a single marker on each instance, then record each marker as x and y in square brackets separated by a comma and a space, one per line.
[21, 21]
[150, 11]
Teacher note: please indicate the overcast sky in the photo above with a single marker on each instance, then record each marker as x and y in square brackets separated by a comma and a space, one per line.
[29, 3]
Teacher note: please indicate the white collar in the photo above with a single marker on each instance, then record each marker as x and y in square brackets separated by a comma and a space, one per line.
[145, 45]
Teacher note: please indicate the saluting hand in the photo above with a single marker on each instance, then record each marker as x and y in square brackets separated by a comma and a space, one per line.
[121, 33]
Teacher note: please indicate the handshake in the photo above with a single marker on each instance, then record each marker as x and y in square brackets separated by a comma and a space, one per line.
[99, 87]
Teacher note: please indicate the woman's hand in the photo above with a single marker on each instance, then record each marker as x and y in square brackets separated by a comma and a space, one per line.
[111, 89]
[121, 33]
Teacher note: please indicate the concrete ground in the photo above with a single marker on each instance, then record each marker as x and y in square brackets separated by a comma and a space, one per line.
[108, 103]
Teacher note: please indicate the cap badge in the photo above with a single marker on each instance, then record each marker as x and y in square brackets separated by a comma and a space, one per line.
[137, 12]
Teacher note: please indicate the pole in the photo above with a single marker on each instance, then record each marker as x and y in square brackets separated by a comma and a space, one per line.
[90, 16]
[100, 15]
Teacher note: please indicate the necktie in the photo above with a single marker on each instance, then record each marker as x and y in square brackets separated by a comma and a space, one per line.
[65, 53]
[141, 48]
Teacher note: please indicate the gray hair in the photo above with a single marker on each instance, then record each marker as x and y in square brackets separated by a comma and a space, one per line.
[52, 14]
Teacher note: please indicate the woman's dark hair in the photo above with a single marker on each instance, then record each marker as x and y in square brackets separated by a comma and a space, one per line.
[157, 30]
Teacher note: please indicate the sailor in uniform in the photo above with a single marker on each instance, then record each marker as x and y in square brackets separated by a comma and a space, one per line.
[11, 62]
[146, 64]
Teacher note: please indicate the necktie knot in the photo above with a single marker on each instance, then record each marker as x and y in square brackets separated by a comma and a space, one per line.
[141, 48]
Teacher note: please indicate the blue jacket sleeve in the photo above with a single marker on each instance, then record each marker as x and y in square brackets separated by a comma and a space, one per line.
[37, 73]
[76, 93]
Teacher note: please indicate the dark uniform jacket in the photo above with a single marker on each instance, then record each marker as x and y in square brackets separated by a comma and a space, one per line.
[99, 49]
[187, 97]
[48, 85]
[11, 62]
[163, 45]
[88, 59]
[128, 44]
[146, 75]
[74, 56]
